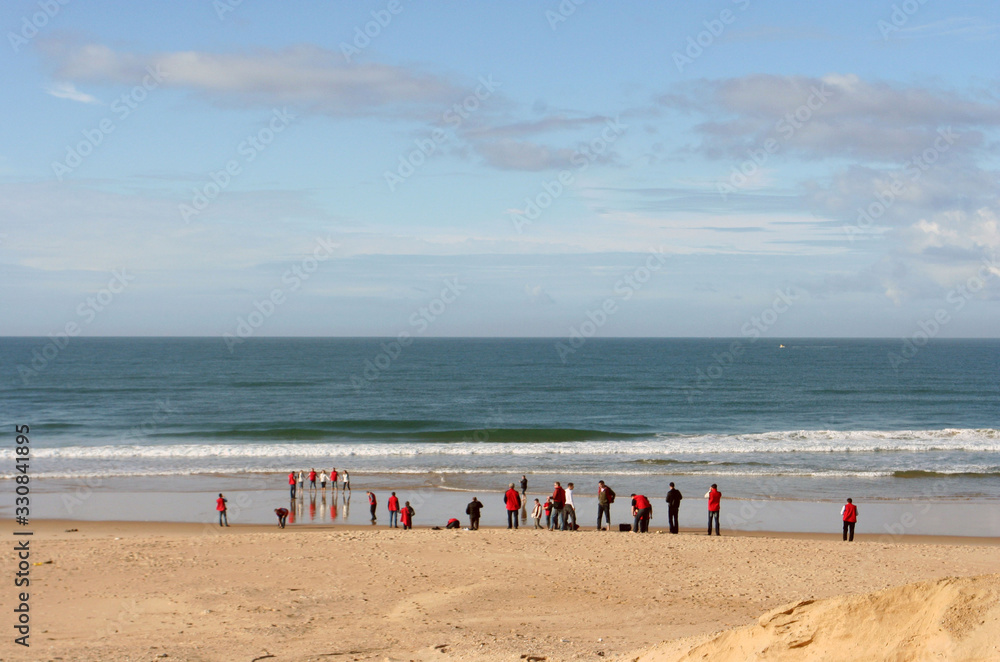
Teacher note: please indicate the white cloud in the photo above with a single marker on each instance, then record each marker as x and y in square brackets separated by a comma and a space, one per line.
[309, 77]
[831, 116]
[69, 91]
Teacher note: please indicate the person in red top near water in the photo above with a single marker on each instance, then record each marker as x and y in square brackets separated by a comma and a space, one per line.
[372, 504]
[220, 505]
[850, 515]
[394, 511]
[282, 514]
[643, 510]
[406, 516]
[333, 477]
[714, 497]
[291, 483]
[512, 501]
[558, 501]
[312, 479]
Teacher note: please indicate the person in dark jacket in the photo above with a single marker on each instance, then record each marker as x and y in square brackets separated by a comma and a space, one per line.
[605, 497]
[473, 511]
[673, 508]
[512, 501]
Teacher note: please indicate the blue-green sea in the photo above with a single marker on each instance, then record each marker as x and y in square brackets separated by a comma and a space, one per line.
[781, 418]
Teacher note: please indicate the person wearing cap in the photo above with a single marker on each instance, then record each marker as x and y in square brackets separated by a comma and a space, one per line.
[714, 497]
[512, 501]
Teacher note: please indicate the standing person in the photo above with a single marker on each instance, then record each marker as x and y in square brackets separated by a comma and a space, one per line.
[642, 509]
[714, 497]
[372, 504]
[282, 514]
[536, 513]
[347, 481]
[569, 510]
[322, 482]
[674, 497]
[548, 513]
[406, 514]
[291, 483]
[393, 511]
[512, 501]
[849, 514]
[312, 479]
[524, 486]
[473, 510]
[220, 505]
[302, 480]
[605, 497]
[333, 478]
[558, 500]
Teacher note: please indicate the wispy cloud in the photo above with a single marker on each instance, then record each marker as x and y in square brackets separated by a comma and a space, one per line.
[69, 91]
[309, 77]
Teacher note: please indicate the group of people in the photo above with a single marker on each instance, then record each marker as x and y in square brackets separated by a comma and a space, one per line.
[397, 514]
[559, 509]
[321, 477]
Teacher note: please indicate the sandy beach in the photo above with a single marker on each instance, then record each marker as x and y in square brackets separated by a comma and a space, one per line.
[171, 591]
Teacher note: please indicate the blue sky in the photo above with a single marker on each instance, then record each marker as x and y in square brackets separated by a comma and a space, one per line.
[511, 167]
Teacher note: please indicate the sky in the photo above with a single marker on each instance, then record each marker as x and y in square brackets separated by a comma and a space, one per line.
[390, 167]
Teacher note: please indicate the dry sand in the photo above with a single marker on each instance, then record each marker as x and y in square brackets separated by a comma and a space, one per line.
[139, 591]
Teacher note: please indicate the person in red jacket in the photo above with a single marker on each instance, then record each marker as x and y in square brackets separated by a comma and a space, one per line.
[406, 516]
[714, 497]
[291, 483]
[394, 511]
[312, 479]
[372, 504]
[850, 516]
[282, 514]
[512, 501]
[558, 501]
[220, 505]
[642, 509]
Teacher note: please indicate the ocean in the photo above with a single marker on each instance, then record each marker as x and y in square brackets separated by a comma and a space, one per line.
[795, 419]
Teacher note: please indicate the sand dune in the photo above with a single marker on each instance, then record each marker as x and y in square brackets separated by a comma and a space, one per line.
[948, 619]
